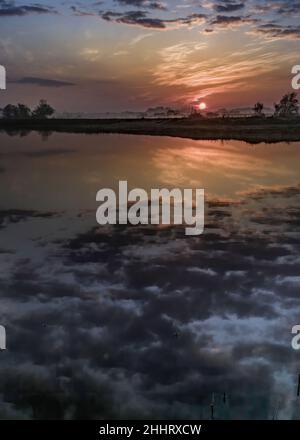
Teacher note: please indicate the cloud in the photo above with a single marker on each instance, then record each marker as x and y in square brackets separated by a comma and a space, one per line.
[43, 82]
[185, 66]
[275, 31]
[81, 13]
[286, 8]
[256, 13]
[143, 4]
[140, 38]
[141, 18]
[228, 21]
[228, 6]
[8, 9]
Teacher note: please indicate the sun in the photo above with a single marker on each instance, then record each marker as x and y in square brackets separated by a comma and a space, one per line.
[202, 106]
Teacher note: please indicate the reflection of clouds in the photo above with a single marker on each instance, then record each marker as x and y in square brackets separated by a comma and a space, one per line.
[146, 316]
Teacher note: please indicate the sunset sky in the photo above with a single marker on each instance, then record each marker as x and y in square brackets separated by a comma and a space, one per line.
[116, 55]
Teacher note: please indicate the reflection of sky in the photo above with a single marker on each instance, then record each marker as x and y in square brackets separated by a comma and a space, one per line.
[66, 171]
[130, 322]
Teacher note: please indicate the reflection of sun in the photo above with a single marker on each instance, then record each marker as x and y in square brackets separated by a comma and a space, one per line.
[215, 166]
[202, 106]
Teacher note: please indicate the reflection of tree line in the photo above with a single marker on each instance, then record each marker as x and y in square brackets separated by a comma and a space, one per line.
[45, 134]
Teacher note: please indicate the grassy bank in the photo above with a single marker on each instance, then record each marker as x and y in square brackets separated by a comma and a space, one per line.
[252, 130]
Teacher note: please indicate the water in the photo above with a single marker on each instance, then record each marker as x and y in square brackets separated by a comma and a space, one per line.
[141, 322]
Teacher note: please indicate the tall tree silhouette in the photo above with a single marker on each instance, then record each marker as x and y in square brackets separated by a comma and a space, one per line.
[43, 110]
[288, 106]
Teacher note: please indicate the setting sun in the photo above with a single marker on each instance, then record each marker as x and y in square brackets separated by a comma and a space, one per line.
[202, 106]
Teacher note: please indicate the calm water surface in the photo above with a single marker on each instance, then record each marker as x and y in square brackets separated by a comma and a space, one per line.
[144, 322]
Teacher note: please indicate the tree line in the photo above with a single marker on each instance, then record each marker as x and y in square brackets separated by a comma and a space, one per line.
[21, 111]
[286, 108]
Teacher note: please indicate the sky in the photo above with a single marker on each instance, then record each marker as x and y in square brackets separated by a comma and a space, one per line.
[116, 55]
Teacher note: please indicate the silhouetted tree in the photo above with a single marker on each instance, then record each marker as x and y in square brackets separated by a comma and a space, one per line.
[288, 106]
[20, 111]
[23, 112]
[10, 111]
[43, 110]
[258, 109]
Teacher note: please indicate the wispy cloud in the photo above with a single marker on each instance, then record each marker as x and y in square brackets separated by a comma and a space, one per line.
[180, 67]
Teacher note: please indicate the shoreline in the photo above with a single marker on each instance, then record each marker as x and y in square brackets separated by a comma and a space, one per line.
[252, 130]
